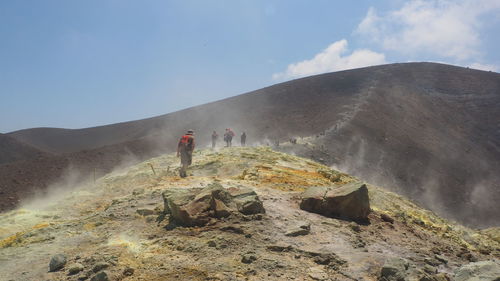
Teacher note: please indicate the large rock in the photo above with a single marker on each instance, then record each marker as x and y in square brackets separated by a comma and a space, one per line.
[195, 207]
[57, 262]
[75, 268]
[348, 201]
[101, 276]
[394, 269]
[478, 271]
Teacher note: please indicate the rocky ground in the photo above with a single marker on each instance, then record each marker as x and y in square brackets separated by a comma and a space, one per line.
[117, 229]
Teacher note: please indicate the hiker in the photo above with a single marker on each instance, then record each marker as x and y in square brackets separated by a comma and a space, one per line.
[215, 136]
[228, 137]
[243, 138]
[185, 149]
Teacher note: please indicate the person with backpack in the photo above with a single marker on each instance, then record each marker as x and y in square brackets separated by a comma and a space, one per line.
[185, 149]
[228, 137]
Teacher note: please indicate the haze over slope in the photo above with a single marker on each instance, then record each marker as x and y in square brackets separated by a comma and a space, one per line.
[428, 130]
[13, 150]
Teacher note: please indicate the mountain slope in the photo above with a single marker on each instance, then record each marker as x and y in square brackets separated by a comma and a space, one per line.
[22, 179]
[12, 150]
[111, 229]
[427, 130]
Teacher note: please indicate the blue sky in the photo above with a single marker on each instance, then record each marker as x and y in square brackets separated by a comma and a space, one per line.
[75, 64]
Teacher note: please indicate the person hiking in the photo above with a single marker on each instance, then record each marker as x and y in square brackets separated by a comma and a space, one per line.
[228, 137]
[243, 139]
[185, 149]
[214, 139]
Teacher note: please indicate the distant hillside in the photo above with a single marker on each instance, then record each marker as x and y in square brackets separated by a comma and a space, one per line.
[427, 130]
[19, 180]
[12, 150]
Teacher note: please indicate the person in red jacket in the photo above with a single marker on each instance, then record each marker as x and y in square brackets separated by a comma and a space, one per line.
[185, 149]
[228, 137]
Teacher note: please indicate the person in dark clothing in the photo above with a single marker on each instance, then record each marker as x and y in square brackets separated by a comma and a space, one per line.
[228, 137]
[185, 149]
[243, 139]
[215, 136]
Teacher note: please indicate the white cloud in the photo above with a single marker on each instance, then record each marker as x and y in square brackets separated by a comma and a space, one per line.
[445, 28]
[485, 67]
[331, 59]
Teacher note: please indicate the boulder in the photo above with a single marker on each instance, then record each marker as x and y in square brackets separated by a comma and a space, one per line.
[128, 271]
[483, 270]
[301, 228]
[349, 201]
[57, 262]
[197, 206]
[248, 258]
[100, 266]
[101, 276]
[75, 268]
[394, 269]
[317, 273]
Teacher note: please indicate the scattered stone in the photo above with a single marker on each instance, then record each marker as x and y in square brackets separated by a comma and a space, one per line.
[317, 273]
[75, 268]
[431, 261]
[233, 229]
[484, 251]
[386, 218]
[211, 243]
[435, 277]
[349, 201]
[145, 212]
[483, 270]
[138, 191]
[280, 248]
[441, 258]
[101, 276]
[257, 217]
[430, 269]
[128, 271]
[248, 258]
[247, 201]
[441, 277]
[432, 277]
[302, 228]
[325, 258]
[84, 276]
[358, 242]
[196, 207]
[394, 269]
[57, 262]
[100, 266]
[355, 227]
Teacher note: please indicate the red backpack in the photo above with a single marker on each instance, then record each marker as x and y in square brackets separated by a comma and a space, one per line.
[185, 139]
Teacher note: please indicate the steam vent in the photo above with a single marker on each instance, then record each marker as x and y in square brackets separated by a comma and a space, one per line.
[241, 214]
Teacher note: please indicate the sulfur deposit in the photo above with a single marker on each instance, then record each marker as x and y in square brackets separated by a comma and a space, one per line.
[243, 221]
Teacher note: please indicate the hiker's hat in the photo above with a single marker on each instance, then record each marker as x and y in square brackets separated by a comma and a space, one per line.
[190, 132]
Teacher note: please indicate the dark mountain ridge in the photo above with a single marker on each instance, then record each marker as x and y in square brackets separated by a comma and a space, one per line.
[13, 150]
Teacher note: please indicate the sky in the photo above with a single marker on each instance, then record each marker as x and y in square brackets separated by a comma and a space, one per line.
[77, 64]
